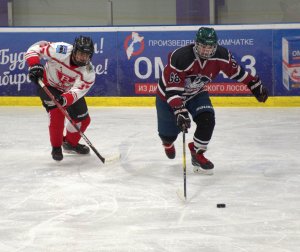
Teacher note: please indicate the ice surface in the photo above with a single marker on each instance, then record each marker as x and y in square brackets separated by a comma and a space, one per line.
[80, 204]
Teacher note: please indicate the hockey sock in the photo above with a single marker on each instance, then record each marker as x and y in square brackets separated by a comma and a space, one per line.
[205, 126]
[72, 135]
[168, 139]
[56, 127]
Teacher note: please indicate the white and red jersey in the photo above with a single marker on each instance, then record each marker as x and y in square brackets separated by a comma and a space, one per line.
[186, 74]
[59, 73]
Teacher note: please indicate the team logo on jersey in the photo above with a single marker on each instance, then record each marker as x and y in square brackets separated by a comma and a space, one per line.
[134, 45]
[197, 82]
[65, 80]
[61, 49]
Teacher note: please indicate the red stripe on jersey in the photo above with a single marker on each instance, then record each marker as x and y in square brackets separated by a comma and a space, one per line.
[30, 54]
[69, 97]
[33, 60]
[46, 50]
[175, 102]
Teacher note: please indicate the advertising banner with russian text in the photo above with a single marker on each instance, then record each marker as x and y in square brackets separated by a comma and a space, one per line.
[128, 61]
[13, 69]
[146, 54]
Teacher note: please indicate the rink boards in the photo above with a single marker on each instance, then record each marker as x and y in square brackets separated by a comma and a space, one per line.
[128, 62]
[150, 101]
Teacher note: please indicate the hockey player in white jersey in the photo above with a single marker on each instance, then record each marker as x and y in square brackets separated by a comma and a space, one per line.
[68, 74]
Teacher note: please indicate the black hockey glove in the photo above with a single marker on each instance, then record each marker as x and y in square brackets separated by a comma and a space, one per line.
[61, 100]
[182, 118]
[258, 90]
[36, 72]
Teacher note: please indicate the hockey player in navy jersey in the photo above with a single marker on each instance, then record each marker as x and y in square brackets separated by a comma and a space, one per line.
[182, 93]
[69, 75]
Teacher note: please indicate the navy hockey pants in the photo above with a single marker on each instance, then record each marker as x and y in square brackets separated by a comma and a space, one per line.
[166, 121]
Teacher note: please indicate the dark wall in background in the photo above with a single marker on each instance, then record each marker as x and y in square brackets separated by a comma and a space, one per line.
[192, 12]
[3, 13]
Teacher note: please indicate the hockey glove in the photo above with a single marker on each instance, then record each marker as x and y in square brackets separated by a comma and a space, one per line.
[182, 118]
[258, 90]
[36, 72]
[61, 100]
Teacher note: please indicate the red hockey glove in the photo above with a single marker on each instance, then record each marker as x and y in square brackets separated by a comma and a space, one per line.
[182, 118]
[258, 90]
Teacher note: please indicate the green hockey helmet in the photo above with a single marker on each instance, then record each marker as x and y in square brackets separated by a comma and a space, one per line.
[206, 42]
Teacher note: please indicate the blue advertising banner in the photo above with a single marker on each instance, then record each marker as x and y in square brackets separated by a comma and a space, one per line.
[13, 68]
[143, 55]
[146, 53]
[128, 60]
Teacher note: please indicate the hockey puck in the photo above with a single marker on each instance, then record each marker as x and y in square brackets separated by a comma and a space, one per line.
[221, 205]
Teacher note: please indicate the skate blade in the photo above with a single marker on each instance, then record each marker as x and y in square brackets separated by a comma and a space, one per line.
[199, 170]
[75, 153]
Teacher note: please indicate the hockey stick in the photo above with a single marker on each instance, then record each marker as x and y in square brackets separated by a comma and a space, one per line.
[179, 193]
[184, 164]
[60, 107]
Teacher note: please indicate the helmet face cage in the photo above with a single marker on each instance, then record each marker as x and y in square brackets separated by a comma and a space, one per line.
[205, 51]
[85, 46]
[206, 42]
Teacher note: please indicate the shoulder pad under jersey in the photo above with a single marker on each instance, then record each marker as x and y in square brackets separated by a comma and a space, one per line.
[183, 57]
[221, 53]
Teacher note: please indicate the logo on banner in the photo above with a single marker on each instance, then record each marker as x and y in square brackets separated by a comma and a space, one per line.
[134, 45]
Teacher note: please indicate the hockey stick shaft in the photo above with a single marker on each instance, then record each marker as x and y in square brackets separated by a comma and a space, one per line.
[60, 107]
[184, 164]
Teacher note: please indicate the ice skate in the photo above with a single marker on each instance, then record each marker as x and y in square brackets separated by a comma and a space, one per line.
[201, 164]
[79, 148]
[57, 153]
[170, 150]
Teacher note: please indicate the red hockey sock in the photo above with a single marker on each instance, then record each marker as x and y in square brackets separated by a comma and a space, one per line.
[56, 127]
[72, 135]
